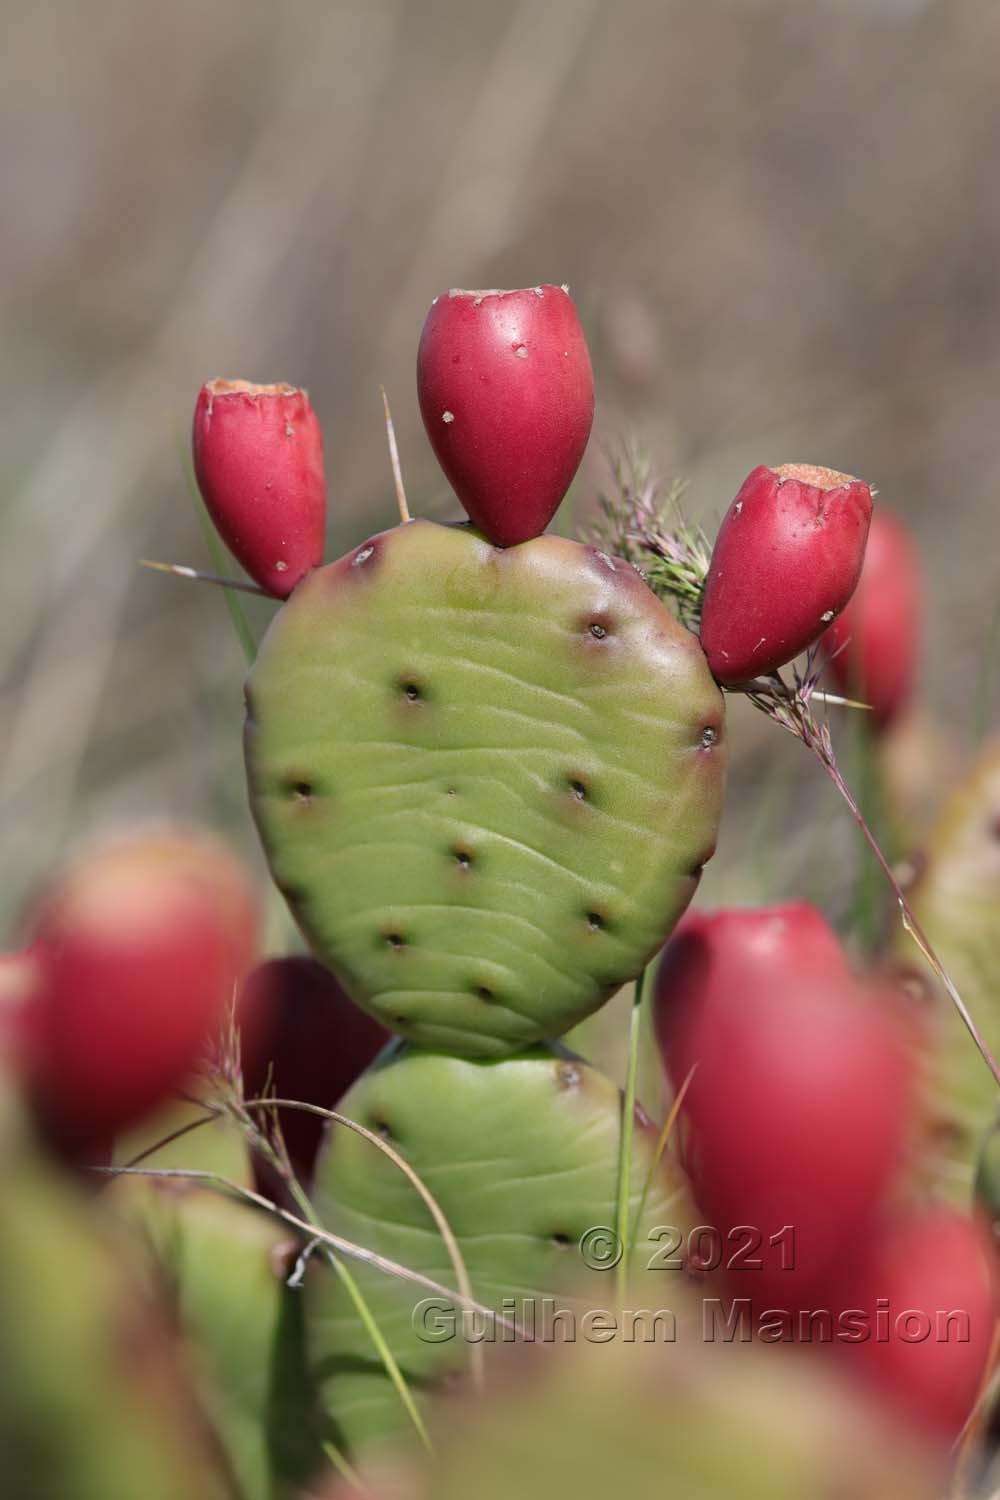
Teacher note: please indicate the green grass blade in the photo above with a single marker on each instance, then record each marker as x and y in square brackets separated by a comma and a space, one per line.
[361, 1307]
[332, 1252]
[434, 1208]
[385, 1354]
[661, 1146]
[622, 1225]
[339, 1462]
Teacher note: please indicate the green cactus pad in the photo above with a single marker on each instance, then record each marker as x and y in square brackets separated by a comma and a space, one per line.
[94, 1404]
[956, 898]
[486, 780]
[691, 1422]
[521, 1155]
[223, 1266]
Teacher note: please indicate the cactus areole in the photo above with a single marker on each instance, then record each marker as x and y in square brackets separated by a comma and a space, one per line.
[486, 780]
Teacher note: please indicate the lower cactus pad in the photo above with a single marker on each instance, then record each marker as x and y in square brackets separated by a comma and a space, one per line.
[522, 1158]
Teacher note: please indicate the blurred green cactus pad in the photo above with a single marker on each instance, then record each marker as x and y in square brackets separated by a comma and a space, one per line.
[521, 1155]
[94, 1402]
[956, 898]
[223, 1268]
[486, 780]
[688, 1422]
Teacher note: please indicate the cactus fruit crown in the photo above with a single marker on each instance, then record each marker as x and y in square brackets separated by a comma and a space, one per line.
[480, 294]
[815, 474]
[486, 780]
[223, 387]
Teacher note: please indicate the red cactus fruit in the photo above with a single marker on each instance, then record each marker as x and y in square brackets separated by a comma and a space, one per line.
[798, 1116]
[140, 945]
[301, 1033]
[258, 457]
[718, 961]
[926, 1286]
[507, 396]
[785, 562]
[877, 638]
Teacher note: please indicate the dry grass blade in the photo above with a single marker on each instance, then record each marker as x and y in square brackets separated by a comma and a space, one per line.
[225, 1075]
[175, 1135]
[325, 1237]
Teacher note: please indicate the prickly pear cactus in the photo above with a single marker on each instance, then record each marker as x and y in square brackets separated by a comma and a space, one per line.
[521, 1154]
[956, 898]
[486, 780]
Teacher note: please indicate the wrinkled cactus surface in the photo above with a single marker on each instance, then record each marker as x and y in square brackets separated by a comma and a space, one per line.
[486, 780]
[521, 1154]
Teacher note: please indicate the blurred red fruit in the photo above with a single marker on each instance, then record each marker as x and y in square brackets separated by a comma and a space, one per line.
[928, 1289]
[785, 562]
[18, 972]
[879, 631]
[19, 976]
[719, 961]
[258, 457]
[507, 396]
[798, 1116]
[140, 946]
[303, 1036]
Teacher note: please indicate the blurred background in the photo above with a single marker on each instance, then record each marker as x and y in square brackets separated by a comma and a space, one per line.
[779, 222]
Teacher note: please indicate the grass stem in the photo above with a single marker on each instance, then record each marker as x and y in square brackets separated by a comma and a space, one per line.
[622, 1222]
